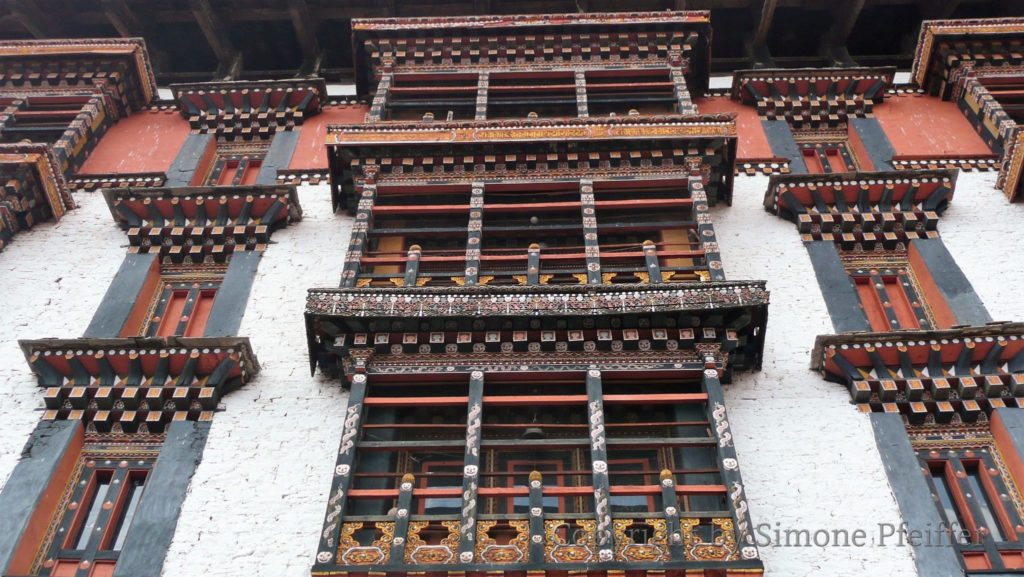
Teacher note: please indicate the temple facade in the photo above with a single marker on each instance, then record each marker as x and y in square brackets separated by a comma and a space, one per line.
[499, 303]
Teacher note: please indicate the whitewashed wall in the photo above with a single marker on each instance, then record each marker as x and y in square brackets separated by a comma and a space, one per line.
[808, 457]
[52, 279]
[256, 503]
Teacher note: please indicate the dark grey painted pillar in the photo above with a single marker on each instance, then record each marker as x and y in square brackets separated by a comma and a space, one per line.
[1013, 421]
[152, 528]
[28, 482]
[875, 142]
[229, 305]
[278, 157]
[914, 498]
[780, 138]
[837, 288]
[952, 282]
[185, 163]
[119, 301]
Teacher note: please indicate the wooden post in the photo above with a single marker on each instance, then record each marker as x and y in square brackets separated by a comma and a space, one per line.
[533, 265]
[412, 265]
[592, 247]
[581, 94]
[482, 83]
[380, 98]
[728, 466]
[536, 518]
[342, 472]
[670, 505]
[651, 260]
[403, 511]
[604, 536]
[705, 229]
[471, 468]
[360, 233]
[476, 227]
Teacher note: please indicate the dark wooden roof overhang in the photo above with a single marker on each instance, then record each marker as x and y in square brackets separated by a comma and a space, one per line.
[202, 221]
[76, 66]
[828, 95]
[928, 376]
[263, 106]
[944, 46]
[710, 138]
[34, 188]
[128, 383]
[471, 33]
[470, 325]
[863, 207]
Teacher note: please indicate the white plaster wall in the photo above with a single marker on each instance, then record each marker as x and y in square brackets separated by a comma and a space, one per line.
[808, 457]
[52, 279]
[985, 235]
[256, 503]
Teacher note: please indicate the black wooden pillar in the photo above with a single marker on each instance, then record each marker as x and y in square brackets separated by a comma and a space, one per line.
[360, 235]
[682, 93]
[728, 466]
[582, 109]
[533, 264]
[536, 517]
[604, 537]
[482, 83]
[343, 469]
[475, 231]
[705, 229]
[380, 98]
[651, 261]
[412, 265]
[403, 511]
[471, 468]
[670, 506]
[590, 242]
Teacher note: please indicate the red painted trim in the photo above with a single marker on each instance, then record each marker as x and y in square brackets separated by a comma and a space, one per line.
[941, 313]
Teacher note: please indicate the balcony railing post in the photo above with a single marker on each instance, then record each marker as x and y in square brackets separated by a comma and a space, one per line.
[533, 265]
[471, 468]
[536, 518]
[591, 245]
[651, 260]
[412, 265]
[727, 464]
[360, 234]
[403, 511]
[474, 235]
[705, 229]
[670, 506]
[343, 471]
[604, 535]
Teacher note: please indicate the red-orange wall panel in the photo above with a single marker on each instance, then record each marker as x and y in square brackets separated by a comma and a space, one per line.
[146, 141]
[311, 150]
[922, 125]
[753, 144]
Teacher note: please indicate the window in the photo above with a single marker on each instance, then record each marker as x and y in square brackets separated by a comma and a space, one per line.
[177, 301]
[826, 151]
[889, 291]
[978, 502]
[96, 512]
[235, 163]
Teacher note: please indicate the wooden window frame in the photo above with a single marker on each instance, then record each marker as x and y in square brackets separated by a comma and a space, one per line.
[239, 160]
[195, 281]
[123, 460]
[893, 271]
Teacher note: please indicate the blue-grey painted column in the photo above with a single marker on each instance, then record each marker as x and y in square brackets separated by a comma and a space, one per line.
[952, 282]
[604, 537]
[119, 301]
[917, 508]
[780, 138]
[471, 468]
[185, 163]
[282, 146]
[149, 536]
[233, 294]
[837, 288]
[875, 142]
[28, 483]
[1013, 422]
